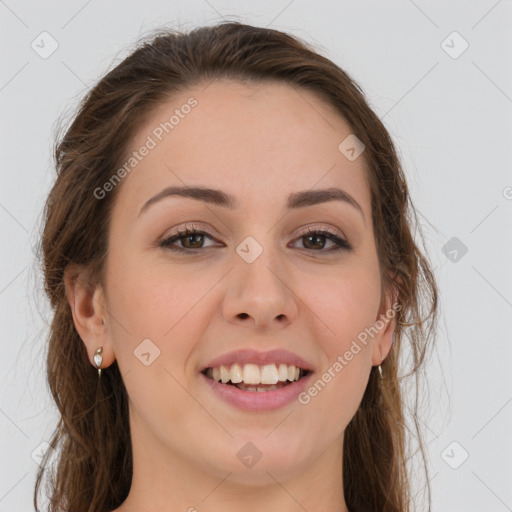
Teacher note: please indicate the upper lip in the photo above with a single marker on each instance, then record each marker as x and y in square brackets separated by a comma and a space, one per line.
[248, 356]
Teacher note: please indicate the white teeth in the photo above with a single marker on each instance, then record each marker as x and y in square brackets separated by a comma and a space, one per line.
[283, 372]
[251, 374]
[225, 374]
[269, 374]
[236, 373]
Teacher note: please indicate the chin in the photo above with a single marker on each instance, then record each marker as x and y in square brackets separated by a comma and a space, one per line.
[250, 462]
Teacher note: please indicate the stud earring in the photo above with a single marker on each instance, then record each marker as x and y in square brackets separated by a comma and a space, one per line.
[98, 359]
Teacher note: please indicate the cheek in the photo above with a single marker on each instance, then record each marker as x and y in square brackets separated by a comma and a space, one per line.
[147, 297]
[155, 315]
[150, 301]
[344, 303]
[349, 306]
[346, 312]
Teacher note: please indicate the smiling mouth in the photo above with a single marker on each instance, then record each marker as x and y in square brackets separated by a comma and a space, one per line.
[254, 378]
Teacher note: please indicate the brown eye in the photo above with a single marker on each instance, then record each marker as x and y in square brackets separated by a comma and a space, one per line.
[191, 240]
[314, 240]
[194, 239]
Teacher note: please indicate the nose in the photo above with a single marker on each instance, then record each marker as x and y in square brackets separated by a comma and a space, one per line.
[260, 294]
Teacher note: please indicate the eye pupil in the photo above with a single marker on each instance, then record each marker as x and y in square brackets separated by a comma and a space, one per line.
[189, 237]
[316, 237]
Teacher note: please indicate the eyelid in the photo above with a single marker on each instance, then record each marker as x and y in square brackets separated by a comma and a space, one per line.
[320, 227]
[189, 226]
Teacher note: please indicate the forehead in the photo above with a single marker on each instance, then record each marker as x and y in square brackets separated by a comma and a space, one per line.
[254, 140]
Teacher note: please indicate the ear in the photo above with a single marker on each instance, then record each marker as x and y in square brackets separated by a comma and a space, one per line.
[385, 323]
[90, 316]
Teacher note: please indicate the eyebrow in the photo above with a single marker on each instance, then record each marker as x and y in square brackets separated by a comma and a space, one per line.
[219, 198]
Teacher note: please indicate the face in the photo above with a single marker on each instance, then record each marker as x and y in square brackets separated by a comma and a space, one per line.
[254, 278]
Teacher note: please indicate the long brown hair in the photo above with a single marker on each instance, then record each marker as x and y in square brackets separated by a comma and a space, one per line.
[94, 465]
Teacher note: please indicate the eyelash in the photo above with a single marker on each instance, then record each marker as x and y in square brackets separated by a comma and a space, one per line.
[188, 231]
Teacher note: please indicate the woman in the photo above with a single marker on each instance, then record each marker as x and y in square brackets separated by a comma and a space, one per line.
[228, 249]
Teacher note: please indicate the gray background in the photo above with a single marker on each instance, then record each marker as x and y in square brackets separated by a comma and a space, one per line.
[450, 115]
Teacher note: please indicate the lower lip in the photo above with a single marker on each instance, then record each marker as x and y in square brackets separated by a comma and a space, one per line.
[258, 400]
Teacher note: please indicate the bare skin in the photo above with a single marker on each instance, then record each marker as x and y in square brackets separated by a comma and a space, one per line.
[258, 143]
